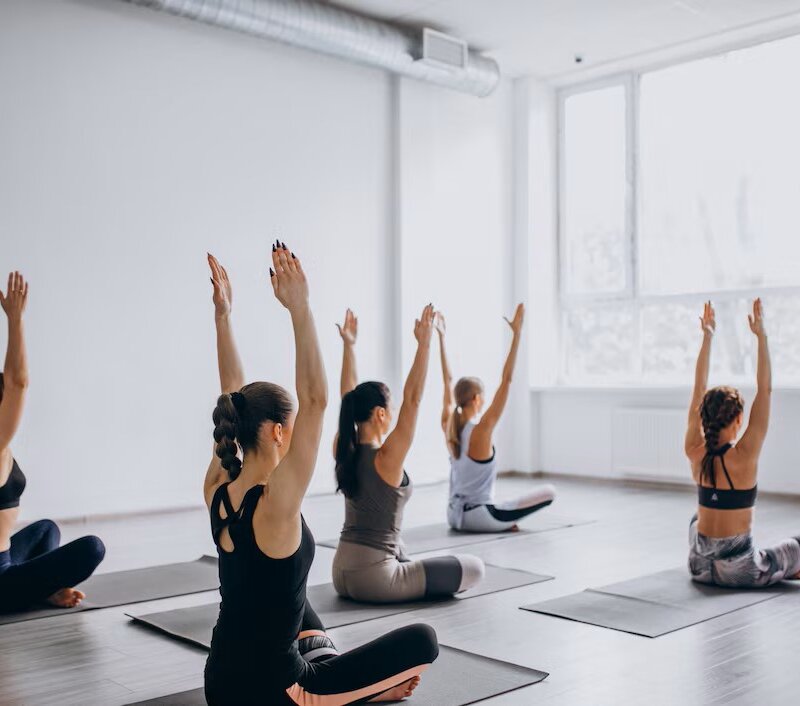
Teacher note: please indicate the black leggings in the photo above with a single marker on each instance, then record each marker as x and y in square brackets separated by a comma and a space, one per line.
[35, 566]
[331, 679]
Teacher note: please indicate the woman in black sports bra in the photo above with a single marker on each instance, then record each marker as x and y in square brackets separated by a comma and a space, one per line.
[33, 567]
[268, 646]
[721, 549]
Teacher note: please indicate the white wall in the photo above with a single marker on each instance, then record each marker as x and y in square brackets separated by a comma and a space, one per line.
[131, 143]
[576, 431]
[455, 221]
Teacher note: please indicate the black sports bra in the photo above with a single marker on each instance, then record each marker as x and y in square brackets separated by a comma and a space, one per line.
[723, 498]
[12, 488]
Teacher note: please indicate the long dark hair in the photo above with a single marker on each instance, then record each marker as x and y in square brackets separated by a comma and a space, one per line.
[357, 406]
[720, 408]
[238, 417]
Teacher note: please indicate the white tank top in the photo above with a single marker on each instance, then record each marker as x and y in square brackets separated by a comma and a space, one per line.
[471, 482]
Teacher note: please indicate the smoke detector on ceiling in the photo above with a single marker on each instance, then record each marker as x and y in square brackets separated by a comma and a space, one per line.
[443, 51]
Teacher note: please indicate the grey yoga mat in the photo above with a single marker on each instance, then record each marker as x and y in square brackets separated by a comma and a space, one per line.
[456, 678]
[195, 624]
[655, 604]
[134, 586]
[429, 538]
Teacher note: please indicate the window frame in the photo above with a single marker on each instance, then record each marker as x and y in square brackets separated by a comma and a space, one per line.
[632, 294]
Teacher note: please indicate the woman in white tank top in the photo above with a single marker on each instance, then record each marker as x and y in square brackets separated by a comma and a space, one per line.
[473, 468]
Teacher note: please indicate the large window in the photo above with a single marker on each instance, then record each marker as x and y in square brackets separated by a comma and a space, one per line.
[680, 185]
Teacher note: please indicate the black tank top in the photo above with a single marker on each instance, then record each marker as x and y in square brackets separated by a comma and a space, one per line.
[724, 498]
[11, 490]
[254, 644]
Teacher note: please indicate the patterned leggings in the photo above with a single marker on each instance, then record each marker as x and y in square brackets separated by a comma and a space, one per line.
[734, 561]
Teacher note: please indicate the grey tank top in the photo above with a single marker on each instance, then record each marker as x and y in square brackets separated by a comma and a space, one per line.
[373, 517]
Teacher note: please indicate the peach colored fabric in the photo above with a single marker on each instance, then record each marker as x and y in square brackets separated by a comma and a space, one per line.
[303, 698]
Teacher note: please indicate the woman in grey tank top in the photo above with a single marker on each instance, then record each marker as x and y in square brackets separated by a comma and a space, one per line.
[473, 468]
[370, 564]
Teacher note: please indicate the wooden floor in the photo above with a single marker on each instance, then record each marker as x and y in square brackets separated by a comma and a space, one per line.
[746, 657]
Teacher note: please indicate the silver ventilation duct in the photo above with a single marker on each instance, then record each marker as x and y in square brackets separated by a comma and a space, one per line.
[332, 30]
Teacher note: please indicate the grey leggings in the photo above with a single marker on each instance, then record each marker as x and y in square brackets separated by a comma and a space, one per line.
[734, 561]
[375, 576]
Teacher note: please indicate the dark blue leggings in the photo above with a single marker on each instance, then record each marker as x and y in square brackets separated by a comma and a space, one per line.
[35, 566]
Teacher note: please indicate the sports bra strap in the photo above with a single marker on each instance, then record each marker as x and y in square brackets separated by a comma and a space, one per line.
[720, 453]
[725, 470]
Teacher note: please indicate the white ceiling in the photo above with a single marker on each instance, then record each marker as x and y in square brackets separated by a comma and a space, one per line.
[542, 37]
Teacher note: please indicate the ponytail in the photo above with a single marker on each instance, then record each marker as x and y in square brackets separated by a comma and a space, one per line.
[719, 409]
[225, 424]
[357, 406]
[346, 444]
[238, 417]
[454, 428]
[465, 391]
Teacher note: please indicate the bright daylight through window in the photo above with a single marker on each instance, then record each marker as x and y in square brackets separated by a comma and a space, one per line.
[679, 185]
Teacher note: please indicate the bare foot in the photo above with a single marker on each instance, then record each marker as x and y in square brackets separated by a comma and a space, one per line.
[398, 693]
[515, 528]
[66, 598]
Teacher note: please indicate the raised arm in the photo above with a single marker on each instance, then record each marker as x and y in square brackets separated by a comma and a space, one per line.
[231, 373]
[15, 369]
[484, 428]
[293, 474]
[693, 441]
[349, 332]
[753, 438]
[448, 401]
[392, 455]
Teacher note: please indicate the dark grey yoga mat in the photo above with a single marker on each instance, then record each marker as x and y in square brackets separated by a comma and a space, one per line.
[429, 538]
[655, 604]
[195, 624]
[456, 678]
[134, 586]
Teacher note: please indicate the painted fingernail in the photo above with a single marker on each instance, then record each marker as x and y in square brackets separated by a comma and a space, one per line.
[271, 273]
[273, 248]
[293, 257]
[283, 245]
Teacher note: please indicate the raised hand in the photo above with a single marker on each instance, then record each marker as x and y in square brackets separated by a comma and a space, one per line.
[423, 326]
[756, 319]
[440, 324]
[708, 321]
[288, 279]
[516, 322]
[223, 293]
[349, 330]
[15, 299]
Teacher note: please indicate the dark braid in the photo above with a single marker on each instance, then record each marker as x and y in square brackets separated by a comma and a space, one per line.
[225, 421]
[719, 409]
[238, 418]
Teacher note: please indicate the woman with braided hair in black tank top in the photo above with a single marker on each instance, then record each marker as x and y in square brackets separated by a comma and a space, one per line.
[268, 646]
[721, 549]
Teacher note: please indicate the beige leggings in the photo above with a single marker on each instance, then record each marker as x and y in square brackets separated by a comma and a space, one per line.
[367, 574]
